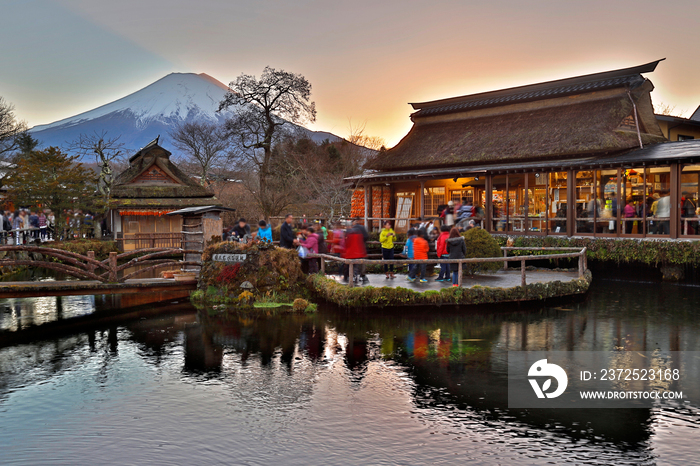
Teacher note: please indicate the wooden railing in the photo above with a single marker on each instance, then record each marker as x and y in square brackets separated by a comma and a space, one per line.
[580, 254]
[87, 267]
[151, 240]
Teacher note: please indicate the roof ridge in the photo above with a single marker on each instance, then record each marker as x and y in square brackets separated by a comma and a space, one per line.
[607, 79]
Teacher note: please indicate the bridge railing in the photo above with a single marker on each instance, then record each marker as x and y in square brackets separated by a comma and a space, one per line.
[108, 270]
[579, 253]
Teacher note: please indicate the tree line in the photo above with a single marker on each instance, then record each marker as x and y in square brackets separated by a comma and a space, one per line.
[259, 160]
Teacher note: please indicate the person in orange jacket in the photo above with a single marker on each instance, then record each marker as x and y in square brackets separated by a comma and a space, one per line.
[420, 252]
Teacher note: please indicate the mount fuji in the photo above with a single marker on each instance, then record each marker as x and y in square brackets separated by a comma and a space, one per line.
[155, 109]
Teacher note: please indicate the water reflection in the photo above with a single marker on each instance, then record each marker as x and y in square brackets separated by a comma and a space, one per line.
[414, 386]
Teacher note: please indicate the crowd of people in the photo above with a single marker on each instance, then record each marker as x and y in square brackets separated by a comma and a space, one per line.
[24, 226]
[350, 242]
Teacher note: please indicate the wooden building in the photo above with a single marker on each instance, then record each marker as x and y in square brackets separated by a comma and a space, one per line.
[145, 193]
[582, 156]
[680, 129]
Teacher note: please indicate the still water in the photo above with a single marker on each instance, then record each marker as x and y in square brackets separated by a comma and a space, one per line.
[409, 386]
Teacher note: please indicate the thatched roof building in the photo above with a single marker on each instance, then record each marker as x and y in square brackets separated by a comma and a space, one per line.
[578, 156]
[143, 195]
[593, 114]
[154, 182]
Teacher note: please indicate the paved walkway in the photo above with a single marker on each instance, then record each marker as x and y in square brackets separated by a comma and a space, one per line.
[500, 279]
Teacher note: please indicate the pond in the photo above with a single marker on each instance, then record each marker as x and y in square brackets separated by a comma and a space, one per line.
[411, 386]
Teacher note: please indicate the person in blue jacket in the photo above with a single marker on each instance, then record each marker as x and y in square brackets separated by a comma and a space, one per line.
[411, 235]
[264, 231]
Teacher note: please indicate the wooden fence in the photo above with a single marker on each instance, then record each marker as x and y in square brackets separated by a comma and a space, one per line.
[150, 241]
[580, 254]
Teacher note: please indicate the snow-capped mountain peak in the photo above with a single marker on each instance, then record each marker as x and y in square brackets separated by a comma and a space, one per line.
[142, 115]
[176, 96]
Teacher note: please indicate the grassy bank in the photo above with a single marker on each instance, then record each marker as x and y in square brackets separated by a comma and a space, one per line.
[368, 296]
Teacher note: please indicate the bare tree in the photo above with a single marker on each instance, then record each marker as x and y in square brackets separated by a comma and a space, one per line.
[106, 151]
[260, 108]
[319, 171]
[204, 144]
[667, 110]
[10, 128]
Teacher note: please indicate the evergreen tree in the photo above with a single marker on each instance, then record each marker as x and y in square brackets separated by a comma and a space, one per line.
[49, 179]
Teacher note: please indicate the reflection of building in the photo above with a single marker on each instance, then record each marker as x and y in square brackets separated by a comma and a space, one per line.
[145, 192]
[555, 158]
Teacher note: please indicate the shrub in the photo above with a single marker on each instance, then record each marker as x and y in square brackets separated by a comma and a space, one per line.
[228, 273]
[300, 304]
[82, 246]
[481, 244]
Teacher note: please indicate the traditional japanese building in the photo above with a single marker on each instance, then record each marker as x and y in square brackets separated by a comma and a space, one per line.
[146, 192]
[680, 129]
[578, 156]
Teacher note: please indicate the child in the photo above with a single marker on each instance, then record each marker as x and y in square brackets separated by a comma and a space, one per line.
[264, 231]
[410, 236]
[420, 252]
[386, 238]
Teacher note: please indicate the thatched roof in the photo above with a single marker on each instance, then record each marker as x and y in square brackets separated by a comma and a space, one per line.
[594, 121]
[173, 188]
[160, 203]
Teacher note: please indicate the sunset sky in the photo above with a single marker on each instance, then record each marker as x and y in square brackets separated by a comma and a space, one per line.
[365, 59]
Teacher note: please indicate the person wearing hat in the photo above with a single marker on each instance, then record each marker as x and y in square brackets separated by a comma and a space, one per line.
[450, 214]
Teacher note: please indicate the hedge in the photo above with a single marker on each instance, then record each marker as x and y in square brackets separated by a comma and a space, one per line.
[369, 296]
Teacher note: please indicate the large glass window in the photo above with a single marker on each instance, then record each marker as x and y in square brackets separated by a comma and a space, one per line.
[632, 201]
[557, 202]
[498, 203]
[517, 208]
[607, 193]
[473, 193]
[587, 204]
[690, 187]
[658, 200]
[536, 202]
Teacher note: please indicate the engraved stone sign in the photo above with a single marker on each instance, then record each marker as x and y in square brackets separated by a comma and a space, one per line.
[229, 258]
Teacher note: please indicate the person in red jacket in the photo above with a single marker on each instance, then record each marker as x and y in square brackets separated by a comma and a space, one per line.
[420, 252]
[441, 250]
[355, 240]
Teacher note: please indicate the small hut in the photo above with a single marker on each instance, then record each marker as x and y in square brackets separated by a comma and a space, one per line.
[145, 193]
[200, 226]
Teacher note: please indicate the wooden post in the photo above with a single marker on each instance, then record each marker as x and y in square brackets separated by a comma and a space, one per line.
[459, 274]
[505, 263]
[522, 272]
[368, 205]
[90, 267]
[323, 265]
[581, 269]
[351, 275]
[113, 267]
[421, 199]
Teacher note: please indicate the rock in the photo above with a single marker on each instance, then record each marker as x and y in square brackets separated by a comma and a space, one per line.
[672, 272]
